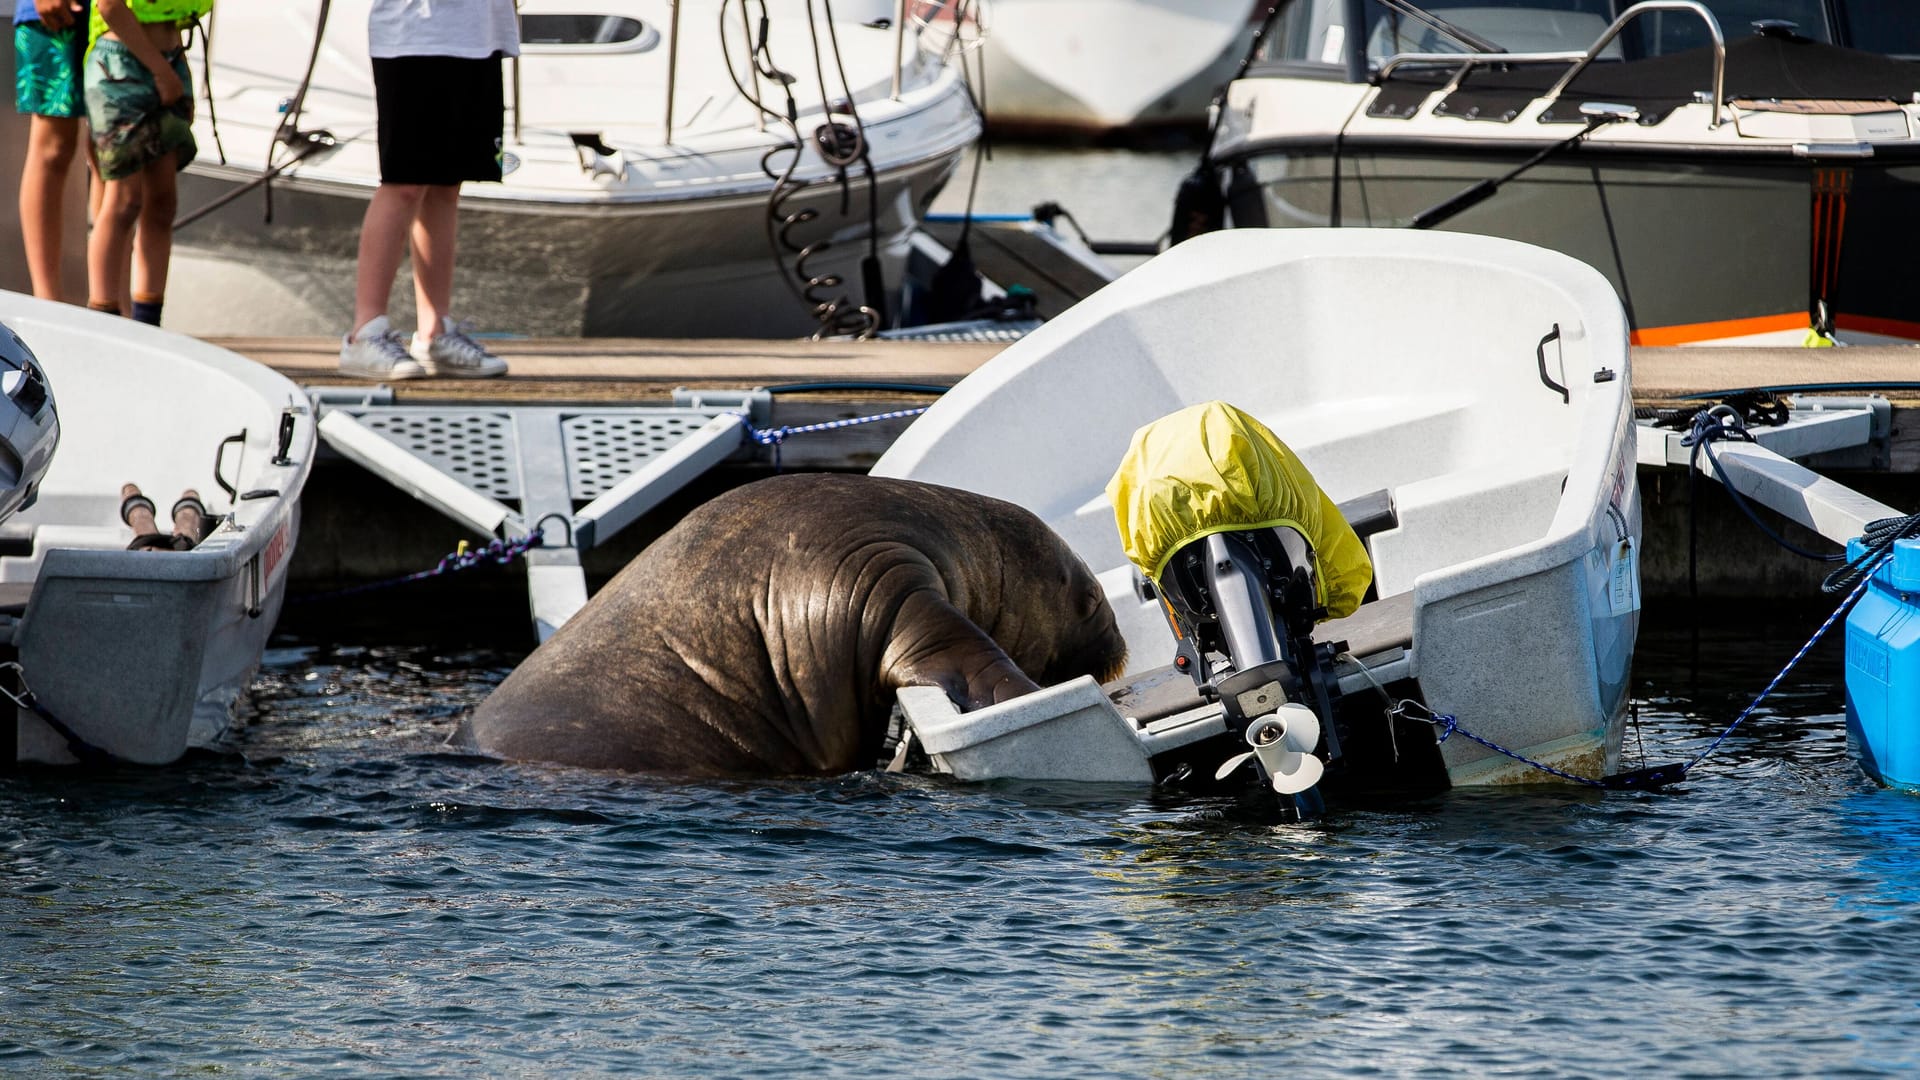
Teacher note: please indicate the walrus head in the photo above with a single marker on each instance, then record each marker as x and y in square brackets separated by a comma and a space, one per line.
[1052, 618]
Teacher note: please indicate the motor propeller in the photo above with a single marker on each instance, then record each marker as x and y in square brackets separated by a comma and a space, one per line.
[1284, 742]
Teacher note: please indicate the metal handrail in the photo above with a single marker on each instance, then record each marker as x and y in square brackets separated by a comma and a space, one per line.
[673, 65]
[899, 46]
[1634, 12]
[1581, 58]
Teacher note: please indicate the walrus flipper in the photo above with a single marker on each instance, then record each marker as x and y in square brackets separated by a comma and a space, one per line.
[933, 644]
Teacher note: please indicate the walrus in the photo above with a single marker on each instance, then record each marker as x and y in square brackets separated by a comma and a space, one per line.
[766, 633]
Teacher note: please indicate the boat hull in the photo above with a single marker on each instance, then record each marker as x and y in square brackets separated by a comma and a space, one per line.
[1477, 387]
[144, 654]
[696, 268]
[1718, 249]
[1104, 67]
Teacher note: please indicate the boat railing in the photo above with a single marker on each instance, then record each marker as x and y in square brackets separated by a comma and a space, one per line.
[1579, 59]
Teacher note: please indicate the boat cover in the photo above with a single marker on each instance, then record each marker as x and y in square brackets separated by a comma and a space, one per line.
[1211, 468]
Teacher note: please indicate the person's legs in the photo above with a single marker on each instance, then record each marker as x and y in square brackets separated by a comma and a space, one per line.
[435, 239]
[190, 518]
[110, 248]
[153, 243]
[383, 242]
[50, 145]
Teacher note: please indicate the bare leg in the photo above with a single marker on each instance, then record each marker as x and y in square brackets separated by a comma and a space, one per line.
[140, 517]
[383, 242]
[187, 520]
[435, 238]
[50, 145]
[110, 248]
[153, 244]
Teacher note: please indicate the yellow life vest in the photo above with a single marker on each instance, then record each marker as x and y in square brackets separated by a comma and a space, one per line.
[178, 12]
[1212, 468]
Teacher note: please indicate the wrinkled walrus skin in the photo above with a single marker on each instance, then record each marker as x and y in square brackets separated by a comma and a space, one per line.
[766, 634]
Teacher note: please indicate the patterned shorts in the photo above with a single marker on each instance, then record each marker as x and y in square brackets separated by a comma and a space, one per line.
[129, 128]
[46, 70]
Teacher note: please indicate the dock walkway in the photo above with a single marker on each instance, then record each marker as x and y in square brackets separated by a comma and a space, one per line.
[865, 378]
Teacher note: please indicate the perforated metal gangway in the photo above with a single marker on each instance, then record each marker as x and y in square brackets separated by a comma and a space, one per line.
[578, 474]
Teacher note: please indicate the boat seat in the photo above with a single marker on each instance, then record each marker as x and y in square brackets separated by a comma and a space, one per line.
[1373, 627]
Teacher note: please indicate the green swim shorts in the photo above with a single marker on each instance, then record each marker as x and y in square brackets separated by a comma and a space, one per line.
[46, 70]
[130, 130]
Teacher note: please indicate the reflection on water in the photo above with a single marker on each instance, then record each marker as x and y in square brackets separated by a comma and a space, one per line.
[337, 893]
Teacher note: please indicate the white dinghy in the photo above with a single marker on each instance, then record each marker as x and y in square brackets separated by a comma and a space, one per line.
[1464, 401]
[671, 169]
[143, 654]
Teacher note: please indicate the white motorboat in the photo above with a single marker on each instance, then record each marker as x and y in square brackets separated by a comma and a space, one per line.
[142, 654]
[1464, 399]
[1742, 171]
[1096, 67]
[646, 192]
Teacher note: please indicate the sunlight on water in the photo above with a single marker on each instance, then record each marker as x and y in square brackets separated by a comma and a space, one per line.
[340, 894]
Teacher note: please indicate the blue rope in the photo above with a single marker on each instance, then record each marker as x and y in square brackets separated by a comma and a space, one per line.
[1449, 725]
[775, 436]
[1865, 579]
[499, 552]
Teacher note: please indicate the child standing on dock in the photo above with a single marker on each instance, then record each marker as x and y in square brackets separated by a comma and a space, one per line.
[140, 112]
[436, 80]
[49, 41]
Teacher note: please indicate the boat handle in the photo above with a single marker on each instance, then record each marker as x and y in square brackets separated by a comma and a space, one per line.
[220, 459]
[286, 439]
[257, 595]
[1540, 354]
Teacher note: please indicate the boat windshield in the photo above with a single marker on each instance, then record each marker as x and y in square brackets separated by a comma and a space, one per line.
[1314, 31]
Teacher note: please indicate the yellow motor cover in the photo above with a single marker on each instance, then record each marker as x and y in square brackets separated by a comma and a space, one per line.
[1212, 468]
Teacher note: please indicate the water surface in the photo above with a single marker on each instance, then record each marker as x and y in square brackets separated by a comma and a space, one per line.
[338, 895]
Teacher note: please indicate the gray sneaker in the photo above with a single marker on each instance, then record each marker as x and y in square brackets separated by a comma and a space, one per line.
[451, 353]
[376, 352]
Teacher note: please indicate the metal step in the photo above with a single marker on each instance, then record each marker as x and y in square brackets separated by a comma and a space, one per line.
[578, 474]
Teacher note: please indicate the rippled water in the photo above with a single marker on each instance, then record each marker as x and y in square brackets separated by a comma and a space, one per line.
[338, 895]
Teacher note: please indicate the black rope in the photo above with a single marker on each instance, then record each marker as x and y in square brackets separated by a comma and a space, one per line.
[1723, 423]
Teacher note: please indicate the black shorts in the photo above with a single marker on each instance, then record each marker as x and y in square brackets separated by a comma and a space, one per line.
[440, 118]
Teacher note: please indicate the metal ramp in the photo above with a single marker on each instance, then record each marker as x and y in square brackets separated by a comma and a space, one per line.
[1830, 431]
[578, 474]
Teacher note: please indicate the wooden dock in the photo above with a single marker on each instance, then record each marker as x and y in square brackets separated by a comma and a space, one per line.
[864, 378]
[601, 370]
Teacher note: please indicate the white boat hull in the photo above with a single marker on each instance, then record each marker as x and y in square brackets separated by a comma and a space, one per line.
[608, 220]
[1101, 66]
[144, 654]
[1380, 360]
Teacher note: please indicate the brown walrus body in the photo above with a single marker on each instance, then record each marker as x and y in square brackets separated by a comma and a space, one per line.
[767, 632]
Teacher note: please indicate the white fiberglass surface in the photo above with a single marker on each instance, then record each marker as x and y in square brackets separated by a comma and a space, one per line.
[616, 91]
[130, 412]
[1387, 360]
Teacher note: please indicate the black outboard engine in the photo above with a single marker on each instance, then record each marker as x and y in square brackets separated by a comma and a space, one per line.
[1247, 554]
[1242, 604]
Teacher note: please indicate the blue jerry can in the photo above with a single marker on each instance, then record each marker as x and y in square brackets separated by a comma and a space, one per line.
[1883, 669]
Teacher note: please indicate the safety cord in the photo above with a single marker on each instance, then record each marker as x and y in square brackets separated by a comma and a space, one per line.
[1845, 604]
[498, 552]
[1658, 775]
[82, 750]
[775, 436]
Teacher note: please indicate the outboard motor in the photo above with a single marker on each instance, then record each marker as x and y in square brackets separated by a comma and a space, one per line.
[1247, 555]
[29, 427]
